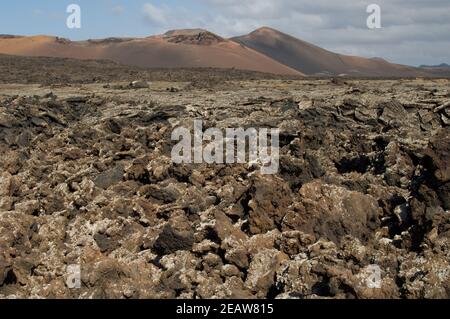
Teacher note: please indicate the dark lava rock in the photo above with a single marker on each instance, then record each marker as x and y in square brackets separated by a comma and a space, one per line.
[171, 240]
[439, 154]
[332, 212]
[110, 177]
[105, 243]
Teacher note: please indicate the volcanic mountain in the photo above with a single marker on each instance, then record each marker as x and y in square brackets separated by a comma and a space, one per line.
[313, 60]
[174, 49]
[439, 66]
[264, 50]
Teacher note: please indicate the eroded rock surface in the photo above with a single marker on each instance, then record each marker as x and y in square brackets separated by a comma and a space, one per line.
[86, 179]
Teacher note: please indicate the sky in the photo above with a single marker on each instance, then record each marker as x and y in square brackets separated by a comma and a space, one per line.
[412, 32]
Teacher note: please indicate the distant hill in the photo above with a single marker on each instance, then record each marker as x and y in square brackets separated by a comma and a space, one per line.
[440, 66]
[313, 60]
[175, 49]
[265, 50]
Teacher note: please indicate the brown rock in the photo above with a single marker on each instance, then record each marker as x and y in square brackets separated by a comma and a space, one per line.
[270, 198]
[110, 177]
[332, 212]
[171, 240]
[262, 269]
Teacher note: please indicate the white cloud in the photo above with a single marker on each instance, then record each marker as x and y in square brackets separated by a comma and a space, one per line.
[155, 15]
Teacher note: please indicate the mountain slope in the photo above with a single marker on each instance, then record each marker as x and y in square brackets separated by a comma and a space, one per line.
[440, 66]
[178, 48]
[264, 50]
[313, 60]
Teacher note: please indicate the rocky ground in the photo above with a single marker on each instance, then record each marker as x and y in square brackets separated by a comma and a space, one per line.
[86, 179]
[56, 71]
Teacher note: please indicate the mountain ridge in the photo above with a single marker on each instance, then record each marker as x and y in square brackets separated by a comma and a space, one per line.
[174, 49]
[313, 60]
[263, 50]
[442, 65]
